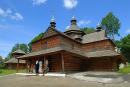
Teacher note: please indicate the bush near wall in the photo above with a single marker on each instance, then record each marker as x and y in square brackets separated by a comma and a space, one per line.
[125, 70]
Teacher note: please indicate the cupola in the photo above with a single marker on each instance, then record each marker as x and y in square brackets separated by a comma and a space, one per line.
[99, 28]
[18, 52]
[53, 23]
[74, 31]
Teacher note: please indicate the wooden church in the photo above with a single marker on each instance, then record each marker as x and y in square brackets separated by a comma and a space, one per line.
[73, 50]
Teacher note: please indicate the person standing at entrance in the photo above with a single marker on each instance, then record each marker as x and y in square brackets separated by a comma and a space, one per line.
[46, 68]
[40, 67]
[37, 67]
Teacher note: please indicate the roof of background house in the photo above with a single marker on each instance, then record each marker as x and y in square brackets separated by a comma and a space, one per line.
[19, 51]
[95, 36]
[14, 60]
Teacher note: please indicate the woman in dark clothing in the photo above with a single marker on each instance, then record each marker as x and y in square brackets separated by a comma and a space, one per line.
[37, 67]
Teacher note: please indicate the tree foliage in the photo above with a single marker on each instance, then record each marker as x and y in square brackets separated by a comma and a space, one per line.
[38, 37]
[2, 65]
[87, 30]
[124, 45]
[112, 25]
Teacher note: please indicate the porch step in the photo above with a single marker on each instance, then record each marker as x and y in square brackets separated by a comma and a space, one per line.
[26, 74]
[48, 74]
[56, 74]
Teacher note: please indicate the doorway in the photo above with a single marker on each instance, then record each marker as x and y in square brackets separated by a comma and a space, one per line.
[54, 63]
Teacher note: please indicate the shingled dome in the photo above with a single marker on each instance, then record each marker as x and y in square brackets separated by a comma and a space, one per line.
[53, 23]
[73, 25]
[74, 31]
[19, 51]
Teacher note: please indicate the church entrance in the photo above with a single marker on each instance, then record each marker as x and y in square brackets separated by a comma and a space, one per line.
[54, 63]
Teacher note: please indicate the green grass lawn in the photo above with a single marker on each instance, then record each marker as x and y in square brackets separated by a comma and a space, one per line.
[9, 71]
[6, 71]
[125, 70]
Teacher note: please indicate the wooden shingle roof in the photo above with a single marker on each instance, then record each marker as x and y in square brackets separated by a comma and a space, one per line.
[14, 60]
[51, 50]
[19, 51]
[93, 37]
[101, 53]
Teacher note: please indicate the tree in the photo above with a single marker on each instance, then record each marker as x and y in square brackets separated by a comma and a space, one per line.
[124, 45]
[87, 30]
[2, 65]
[112, 25]
[38, 37]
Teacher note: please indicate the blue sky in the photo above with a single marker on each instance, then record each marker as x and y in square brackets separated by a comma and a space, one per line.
[21, 20]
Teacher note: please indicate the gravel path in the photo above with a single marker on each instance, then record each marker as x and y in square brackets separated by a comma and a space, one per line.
[40, 81]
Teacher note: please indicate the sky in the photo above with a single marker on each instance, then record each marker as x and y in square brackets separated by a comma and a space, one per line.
[22, 20]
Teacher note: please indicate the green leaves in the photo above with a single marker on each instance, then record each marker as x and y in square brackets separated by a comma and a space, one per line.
[2, 64]
[87, 30]
[112, 24]
[38, 37]
[124, 45]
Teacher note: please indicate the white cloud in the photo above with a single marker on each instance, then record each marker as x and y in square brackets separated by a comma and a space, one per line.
[70, 4]
[10, 14]
[83, 22]
[39, 2]
[128, 31]
[16, 16]
[5, 48]
[8, 11]
[67, 27]
[2, 12]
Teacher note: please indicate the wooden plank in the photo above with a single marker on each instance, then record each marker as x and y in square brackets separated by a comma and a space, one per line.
[44, 62]
[27, 66]
[18, 66]
[62, 58]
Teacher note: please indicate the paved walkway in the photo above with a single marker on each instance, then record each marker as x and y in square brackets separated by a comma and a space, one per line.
[101, 77]
[40, 81]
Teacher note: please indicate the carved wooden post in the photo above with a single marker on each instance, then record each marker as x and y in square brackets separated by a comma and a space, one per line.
[62, 61]
[43, 65]
[26, 66]
[44, 62]
[17, 65]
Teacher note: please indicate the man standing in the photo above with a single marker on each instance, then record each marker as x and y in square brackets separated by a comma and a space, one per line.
[37, 67]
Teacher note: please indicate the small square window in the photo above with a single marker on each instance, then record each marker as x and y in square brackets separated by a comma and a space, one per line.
[44, 45]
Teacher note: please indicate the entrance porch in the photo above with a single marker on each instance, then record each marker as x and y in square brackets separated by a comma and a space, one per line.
[55, 63]
[60, 62]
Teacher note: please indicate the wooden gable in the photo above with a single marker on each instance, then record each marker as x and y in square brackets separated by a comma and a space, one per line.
[50, 32]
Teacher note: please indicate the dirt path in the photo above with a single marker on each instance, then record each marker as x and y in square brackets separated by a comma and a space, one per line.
[40, 81]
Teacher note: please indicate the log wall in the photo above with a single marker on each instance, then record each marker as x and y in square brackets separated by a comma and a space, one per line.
[99, 45]
[70, 44]
[14, 66]
[72, 63]
[46, 43]
[102, 64]
[54, 63]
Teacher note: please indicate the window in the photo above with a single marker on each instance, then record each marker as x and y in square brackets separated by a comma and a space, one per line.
[44, 45]
[72, 46]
